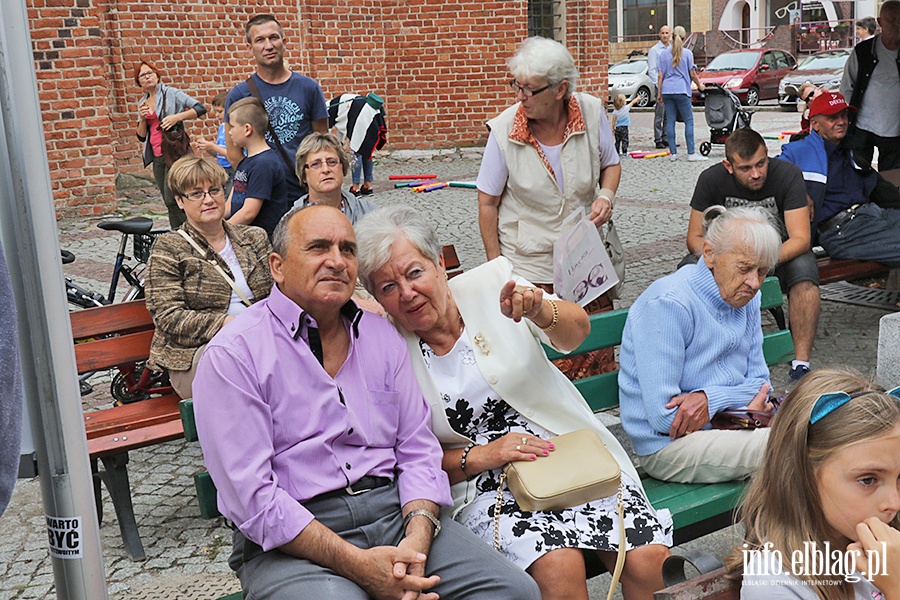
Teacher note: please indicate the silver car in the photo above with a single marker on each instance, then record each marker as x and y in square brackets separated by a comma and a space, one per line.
[822, 69]
[629, 77]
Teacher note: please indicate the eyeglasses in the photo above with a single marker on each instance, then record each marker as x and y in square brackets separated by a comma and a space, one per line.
[316, 165]
[198, 196]
[828, 403]
[528, 93]
[146, 74]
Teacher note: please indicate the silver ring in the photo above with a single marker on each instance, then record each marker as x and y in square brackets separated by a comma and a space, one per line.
[518, 292]
[518, 448]
[524, 440]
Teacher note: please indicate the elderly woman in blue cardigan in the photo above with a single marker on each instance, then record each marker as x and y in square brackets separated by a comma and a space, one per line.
[475, 347]
[692, 346]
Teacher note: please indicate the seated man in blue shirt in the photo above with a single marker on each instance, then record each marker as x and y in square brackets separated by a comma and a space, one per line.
[847, 216]
[319, 442]
[692, 346]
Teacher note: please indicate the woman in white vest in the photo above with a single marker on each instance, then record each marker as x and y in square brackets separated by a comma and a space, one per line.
[475, 346]
[547, 156]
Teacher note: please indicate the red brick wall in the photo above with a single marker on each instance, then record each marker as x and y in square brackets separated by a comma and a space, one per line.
[440, 65]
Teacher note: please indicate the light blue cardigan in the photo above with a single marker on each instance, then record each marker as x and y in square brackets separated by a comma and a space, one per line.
[680, 336]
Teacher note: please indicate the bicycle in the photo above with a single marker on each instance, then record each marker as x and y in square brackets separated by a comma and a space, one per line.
[126, 386]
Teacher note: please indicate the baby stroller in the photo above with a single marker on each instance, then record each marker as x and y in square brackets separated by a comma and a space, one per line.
[723, 114]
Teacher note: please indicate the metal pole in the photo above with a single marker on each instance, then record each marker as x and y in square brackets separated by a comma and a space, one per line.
[29, 235]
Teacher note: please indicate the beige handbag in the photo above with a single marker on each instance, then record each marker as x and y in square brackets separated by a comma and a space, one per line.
[580, 469]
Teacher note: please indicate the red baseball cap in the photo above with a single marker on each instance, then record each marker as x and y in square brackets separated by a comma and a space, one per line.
[828, 103]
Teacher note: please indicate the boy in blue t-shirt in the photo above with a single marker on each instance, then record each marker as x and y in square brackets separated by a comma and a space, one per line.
[217, 149]
[259, 196]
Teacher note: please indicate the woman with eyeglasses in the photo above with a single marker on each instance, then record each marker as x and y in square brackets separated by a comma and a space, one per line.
[203, 275]
[322, 164]
[547, 156]
[161, 107]
[807, 92]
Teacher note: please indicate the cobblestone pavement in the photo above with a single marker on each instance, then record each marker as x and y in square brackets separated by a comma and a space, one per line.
[186, 554]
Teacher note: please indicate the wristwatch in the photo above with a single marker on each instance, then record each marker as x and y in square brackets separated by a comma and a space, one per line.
[421, 512]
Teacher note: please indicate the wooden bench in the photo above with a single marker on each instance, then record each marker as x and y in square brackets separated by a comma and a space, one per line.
[697, 509]
[106, 337]
[842, 269]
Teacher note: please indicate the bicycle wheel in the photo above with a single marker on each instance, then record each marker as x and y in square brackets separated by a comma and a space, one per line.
[135, 293]
[125, 393]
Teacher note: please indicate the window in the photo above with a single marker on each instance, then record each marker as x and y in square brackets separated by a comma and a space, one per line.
[545, 18]
[645, 17]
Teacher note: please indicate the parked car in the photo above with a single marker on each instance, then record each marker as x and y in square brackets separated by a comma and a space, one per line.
[822, 69]
[630, 77]
[752, 75]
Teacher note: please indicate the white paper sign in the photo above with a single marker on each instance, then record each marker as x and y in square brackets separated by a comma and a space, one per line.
[582, 270]
[65, 536]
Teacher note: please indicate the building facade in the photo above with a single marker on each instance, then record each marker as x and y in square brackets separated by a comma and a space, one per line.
[440, 66]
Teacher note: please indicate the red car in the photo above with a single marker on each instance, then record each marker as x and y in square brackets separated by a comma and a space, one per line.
[752, 75]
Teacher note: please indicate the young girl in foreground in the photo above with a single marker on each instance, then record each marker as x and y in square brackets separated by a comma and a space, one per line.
[828, 484]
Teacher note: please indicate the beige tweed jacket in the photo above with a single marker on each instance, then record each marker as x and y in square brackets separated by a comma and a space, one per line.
[189, 299]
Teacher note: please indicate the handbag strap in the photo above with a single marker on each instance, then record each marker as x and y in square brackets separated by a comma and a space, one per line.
[216, 266]
[254, 91]
[620, 511]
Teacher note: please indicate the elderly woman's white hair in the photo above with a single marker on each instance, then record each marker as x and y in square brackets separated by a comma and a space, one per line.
[377, 231]
[728, 229]
[546, 59]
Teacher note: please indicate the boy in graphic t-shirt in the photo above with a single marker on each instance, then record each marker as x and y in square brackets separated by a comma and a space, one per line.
[259, 196]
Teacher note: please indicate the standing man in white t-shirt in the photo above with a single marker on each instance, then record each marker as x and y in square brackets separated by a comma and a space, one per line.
[659, 116]
[872, 83]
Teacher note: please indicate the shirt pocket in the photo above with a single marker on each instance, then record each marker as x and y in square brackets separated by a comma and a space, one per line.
[533, 239]
[384, 419]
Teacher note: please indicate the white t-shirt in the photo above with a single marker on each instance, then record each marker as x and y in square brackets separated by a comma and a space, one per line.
[493, 173]
[880, 110]
[236, 306]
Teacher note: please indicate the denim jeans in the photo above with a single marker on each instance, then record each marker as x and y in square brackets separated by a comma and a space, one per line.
[679, 104]
[358, 166]
[873, 234]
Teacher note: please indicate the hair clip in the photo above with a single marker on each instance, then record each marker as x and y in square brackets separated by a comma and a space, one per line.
[828, 403]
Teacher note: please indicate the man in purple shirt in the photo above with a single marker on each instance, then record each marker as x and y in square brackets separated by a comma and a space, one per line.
[317, 437]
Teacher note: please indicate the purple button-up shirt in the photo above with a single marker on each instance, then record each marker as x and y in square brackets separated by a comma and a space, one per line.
[277, 430]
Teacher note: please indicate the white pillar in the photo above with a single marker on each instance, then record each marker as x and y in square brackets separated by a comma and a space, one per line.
[30, 239]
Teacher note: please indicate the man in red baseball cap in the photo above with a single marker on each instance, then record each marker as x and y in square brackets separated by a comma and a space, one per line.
[832, 109]
[854, 214]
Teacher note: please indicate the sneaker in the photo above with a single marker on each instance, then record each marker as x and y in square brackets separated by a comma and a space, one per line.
[355, 192]
[696, 157]
[365, 191]
[673, 157]
[799, 372]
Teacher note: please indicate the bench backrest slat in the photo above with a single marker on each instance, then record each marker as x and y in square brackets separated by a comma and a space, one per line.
[606, 332]
[107, 353]
[770, 294]
[154, 410]
[114, 318]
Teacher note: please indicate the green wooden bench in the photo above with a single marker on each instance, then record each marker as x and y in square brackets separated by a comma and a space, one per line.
[697, 509]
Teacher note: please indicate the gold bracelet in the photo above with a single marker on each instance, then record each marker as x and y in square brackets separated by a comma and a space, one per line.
[555, 319]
